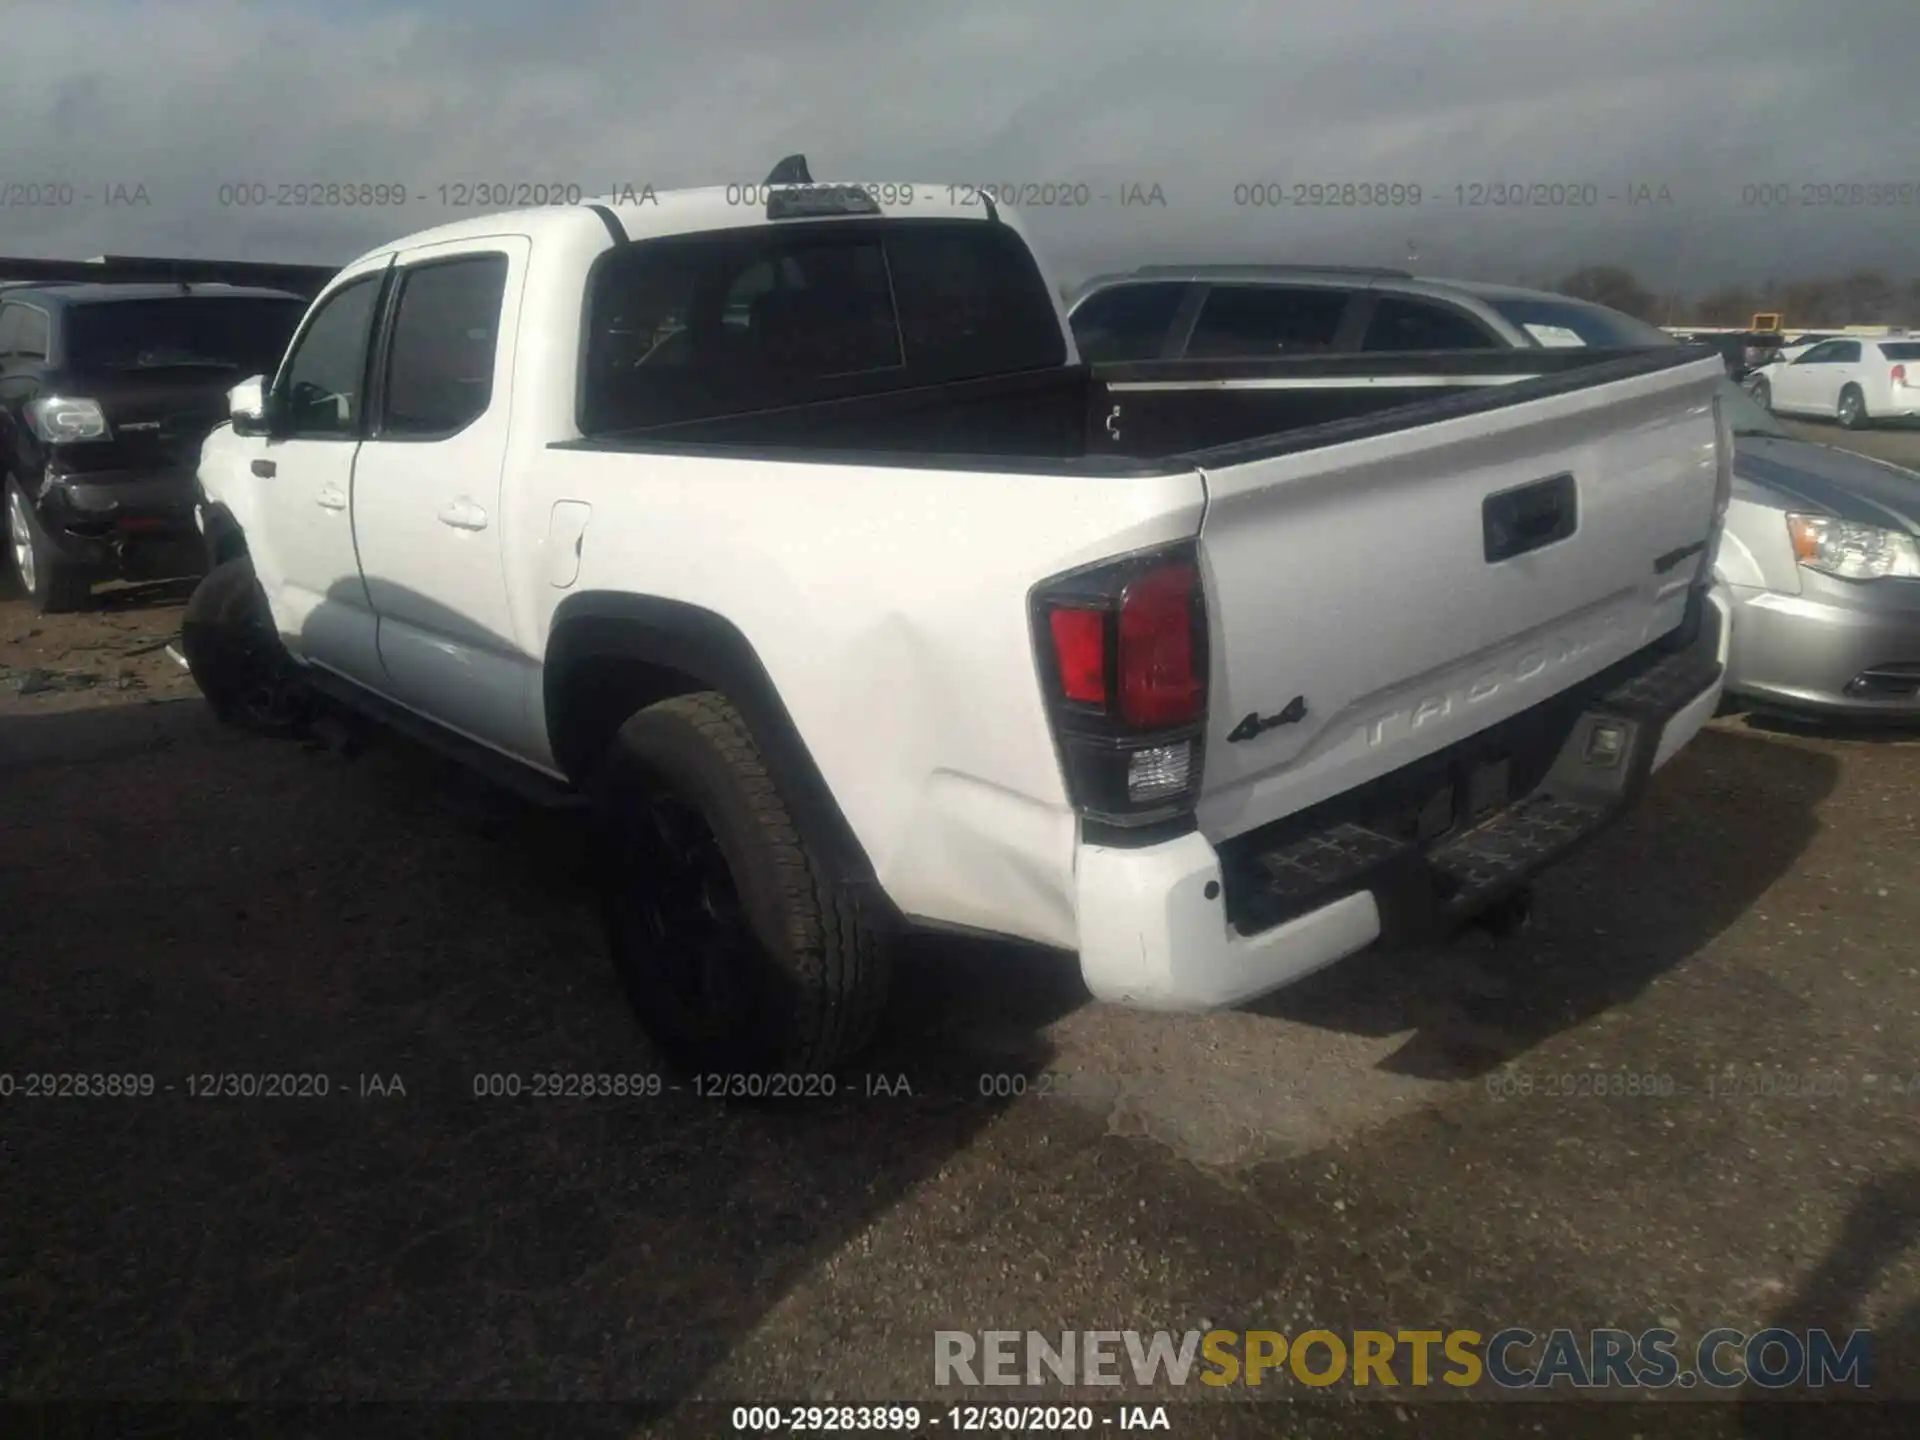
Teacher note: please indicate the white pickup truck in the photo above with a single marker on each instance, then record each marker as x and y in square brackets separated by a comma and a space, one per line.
[792, 537]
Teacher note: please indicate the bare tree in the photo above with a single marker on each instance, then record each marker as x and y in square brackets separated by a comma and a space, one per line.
[1729, 306]
[1865, 295]
[1612, 286]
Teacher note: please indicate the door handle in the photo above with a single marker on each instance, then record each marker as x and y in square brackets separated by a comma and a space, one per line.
[464, 515]
[331, 499]
[265, 469]
[1529, 517]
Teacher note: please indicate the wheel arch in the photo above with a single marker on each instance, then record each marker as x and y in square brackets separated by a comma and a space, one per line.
[225, 539]
[610, 654]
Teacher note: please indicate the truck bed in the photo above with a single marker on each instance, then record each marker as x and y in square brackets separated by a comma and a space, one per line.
[1399, 552]
[1155, 415]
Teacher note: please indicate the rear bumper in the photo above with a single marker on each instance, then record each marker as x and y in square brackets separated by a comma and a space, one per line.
[1897, 402]
[1184, 925]
[1854, 653]
[95, 518]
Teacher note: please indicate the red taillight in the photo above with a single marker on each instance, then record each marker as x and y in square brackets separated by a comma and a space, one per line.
[1899, 374]
[1080, 647]
[1122, 651]
[1160, 684]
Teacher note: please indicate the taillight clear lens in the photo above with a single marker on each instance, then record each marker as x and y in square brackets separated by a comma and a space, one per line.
[1160, 771]
[1160, 684]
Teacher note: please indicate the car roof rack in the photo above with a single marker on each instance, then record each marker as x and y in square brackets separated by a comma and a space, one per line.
[307, 280]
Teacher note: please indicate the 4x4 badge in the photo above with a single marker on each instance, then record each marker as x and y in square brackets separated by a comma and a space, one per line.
[1253, 725]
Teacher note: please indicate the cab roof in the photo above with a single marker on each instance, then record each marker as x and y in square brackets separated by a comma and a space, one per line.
[646, 214]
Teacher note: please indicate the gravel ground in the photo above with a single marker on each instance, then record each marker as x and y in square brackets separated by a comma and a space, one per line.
[1381, 1147]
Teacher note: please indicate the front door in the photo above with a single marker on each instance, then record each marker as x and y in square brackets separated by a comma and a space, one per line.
[427, 507]
[303, 553]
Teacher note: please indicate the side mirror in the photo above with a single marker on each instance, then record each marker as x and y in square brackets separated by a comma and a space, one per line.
[247, 404]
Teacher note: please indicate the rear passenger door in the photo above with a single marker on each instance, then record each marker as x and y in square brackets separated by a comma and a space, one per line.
[426, 492]
[1399, 322]
[1240, 322]
[1831, 376]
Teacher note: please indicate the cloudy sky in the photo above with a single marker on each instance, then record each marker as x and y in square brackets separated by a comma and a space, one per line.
[1718, 101]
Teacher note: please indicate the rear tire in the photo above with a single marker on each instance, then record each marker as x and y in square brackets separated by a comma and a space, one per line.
[236, 657]
[739, 949]
[55, 585]
[1853, 408]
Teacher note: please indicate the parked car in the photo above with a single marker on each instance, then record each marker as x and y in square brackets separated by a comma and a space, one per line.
[1822, 567]
[1246, 311]
[106, 392]
[869, 608]
[1855, 381]
[1744, 351]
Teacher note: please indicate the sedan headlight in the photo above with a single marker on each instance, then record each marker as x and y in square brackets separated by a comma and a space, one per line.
[59, 419]
[1851, 551]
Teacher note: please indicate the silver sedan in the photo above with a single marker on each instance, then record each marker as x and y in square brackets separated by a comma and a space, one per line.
[1821, 559]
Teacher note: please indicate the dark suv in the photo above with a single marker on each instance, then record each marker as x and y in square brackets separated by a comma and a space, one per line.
[106, 391]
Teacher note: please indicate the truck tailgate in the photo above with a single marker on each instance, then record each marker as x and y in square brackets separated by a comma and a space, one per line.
[1378, 598]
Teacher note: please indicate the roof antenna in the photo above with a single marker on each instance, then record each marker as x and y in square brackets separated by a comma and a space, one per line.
[791, 171]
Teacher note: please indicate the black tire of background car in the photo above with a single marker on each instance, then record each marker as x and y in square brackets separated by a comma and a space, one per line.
[1854, 416]
[1762, 393]
[236, 657]
[738, 951]
[59, 587]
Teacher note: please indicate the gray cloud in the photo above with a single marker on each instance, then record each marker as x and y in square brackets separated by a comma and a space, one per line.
[182, 96]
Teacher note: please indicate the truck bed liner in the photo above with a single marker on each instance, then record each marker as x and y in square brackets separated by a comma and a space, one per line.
[1151, 417]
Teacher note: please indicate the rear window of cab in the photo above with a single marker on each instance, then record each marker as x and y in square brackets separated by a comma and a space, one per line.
[694, 327]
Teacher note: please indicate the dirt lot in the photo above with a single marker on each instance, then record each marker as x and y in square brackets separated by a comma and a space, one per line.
[1387, 1146]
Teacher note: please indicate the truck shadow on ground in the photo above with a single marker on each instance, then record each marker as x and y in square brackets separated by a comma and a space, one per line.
[1719, 826]
[182, 902]
[407, 1214]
